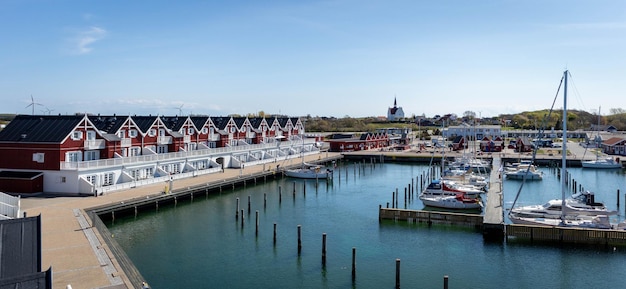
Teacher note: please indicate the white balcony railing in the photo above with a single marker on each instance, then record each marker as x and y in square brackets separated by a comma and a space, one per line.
[178, 155]
[164, 140]
[94, 144]
[126, 142]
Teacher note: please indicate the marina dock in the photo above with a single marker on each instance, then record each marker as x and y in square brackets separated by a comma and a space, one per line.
[493, 227]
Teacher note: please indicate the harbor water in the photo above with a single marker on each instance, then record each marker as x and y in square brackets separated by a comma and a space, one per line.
[201, 243]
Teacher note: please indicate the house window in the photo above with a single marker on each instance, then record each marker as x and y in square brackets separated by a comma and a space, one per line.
[232, 129]
[62, 179]
[73, 157]
[152, 132]
[38, 157]
[92, 155]
[132, 133]
[92, 179]
[107, 179]
[205, 130]
[134, 151]
[77, 135]
[162, 149]
[91, 135]
[161, 132]
[212, 130]
[190, 131]
[122, 134]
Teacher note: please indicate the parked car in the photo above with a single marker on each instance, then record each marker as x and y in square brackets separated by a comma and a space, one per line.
[556, 145]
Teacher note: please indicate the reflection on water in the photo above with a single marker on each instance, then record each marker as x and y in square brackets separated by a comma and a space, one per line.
[200, 244]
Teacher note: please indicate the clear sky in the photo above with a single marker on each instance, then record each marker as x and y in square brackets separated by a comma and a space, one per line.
[318, 58]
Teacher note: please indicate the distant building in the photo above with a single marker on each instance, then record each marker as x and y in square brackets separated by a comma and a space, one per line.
[472, 132]
[395, 113]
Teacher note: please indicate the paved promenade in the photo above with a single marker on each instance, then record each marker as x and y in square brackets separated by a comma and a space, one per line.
[78, 255]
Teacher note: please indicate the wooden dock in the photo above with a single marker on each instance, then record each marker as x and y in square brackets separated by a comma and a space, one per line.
[493, 227]
[493, 222]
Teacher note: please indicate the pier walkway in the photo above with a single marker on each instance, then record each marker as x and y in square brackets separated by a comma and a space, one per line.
[79, 255]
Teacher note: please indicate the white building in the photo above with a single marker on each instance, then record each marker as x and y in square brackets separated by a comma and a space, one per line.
[395, 112]
[472, 132]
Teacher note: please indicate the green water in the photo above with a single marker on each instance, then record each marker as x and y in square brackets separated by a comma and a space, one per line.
[200, 244]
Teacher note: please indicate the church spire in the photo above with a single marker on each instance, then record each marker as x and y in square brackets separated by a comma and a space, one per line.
[395, 104]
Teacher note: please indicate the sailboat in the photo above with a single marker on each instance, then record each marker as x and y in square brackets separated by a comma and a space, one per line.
[568, 216]
[309, 171]
[601, 163]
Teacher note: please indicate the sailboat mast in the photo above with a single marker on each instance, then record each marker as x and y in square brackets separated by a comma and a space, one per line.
[564, 152]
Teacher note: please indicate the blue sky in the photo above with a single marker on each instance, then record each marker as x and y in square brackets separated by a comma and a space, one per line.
[318, 58]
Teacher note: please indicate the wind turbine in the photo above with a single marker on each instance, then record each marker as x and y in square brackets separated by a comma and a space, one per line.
[180, 110]
[47, 110]
[33, 104]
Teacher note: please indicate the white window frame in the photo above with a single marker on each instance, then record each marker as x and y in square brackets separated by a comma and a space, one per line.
[73, 157]
[132, 133]
[77, 135]
[91, 155]
[152, 132]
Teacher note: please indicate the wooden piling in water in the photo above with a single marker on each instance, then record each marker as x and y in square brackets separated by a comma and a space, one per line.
[248, 205]
[256, 232]
[304, 188]
[397, 274]
[405, 197]
[445, 281]
[324, 250]
[274, 234]
[237, 210]
[264, 200]
[618, 198]
[299, 239]
[353, 264]
[242, 218]
[280, 194]
[397, 198]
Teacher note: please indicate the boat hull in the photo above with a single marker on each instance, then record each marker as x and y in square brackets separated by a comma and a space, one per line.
[307, 174]
[448, 202]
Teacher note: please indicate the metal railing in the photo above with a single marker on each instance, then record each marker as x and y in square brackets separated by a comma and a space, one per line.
[176, 155]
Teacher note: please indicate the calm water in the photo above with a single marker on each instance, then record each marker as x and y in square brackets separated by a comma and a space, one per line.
[201, 245]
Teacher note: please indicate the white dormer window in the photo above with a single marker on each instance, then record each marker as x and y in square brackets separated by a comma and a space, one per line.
[77, 135]
[122, 134]
[205, 130]
[152, 132]
[190, 131]
[232, 129]
[132, 133]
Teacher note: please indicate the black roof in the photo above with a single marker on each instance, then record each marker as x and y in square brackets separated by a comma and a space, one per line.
[283, 121]
[256, 121]
[19, 175]
[144, 122]
[239, 121]
[108, 124]
[40, 128]
[174, 122]
[199, 121]
[220, 122]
